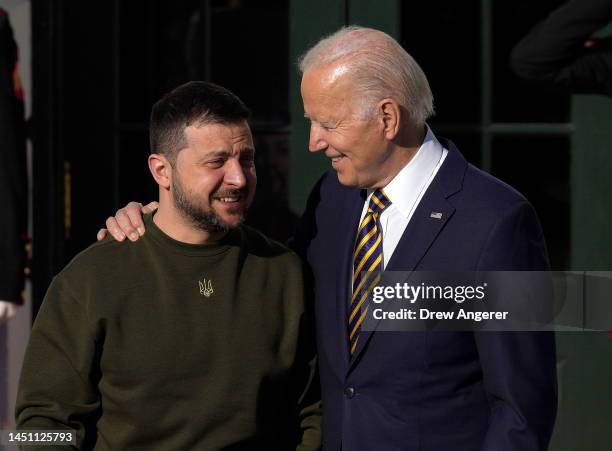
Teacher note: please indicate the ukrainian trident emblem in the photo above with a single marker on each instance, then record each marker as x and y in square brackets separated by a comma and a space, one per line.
[206, 288]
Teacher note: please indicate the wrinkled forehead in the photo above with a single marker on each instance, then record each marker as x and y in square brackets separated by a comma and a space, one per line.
[219, 129]
[329, 91]
[222, 135]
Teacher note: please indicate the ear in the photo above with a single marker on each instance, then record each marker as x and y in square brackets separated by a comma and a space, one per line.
[161, 169]
[390, 115]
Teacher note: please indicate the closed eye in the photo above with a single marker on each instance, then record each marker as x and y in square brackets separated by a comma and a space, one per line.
[324, 125]
[216, 163]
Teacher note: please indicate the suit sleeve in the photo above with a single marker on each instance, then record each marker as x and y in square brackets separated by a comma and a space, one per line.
[309, 401]
[310, 411]
[553, 52]
[57, 389]
[519, 368]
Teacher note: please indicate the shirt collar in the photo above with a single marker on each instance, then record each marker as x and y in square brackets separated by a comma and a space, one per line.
[407, 185]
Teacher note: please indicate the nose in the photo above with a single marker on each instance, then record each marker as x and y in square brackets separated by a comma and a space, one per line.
[316, 143]
[234, 174]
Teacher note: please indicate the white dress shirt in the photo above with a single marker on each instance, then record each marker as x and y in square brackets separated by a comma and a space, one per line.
[406, 190]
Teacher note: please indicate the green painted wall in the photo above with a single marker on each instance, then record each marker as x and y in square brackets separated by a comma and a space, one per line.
[309, 21]
[584, 369]
[592, 183]
[584, 360]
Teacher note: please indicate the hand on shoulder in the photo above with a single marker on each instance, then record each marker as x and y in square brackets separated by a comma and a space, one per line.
[127, 222]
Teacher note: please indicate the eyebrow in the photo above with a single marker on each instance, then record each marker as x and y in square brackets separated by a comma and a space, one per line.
[226, 153]
[217, 153]
[322, 120]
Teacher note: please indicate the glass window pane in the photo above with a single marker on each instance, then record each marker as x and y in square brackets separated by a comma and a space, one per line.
[250, 55]
[443, 36]
[513, 99]
[538, 167]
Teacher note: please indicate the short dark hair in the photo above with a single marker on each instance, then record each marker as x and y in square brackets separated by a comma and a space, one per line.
[198, 102]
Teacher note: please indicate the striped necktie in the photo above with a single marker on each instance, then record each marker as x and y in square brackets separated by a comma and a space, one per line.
[367, 263]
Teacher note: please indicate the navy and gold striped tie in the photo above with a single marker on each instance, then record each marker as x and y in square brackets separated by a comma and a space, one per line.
[367, 263]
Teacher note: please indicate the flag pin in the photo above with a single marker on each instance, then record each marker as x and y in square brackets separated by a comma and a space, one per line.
[435, 215]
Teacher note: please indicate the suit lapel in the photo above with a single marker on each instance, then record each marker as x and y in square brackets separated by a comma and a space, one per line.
[428, 220]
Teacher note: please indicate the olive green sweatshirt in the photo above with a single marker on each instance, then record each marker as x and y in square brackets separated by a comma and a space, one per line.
[163, 345]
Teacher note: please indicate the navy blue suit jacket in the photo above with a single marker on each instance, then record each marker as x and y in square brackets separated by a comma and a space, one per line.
[431, 391]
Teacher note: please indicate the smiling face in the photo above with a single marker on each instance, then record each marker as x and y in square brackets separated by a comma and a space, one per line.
[213, 178]
[358, 148]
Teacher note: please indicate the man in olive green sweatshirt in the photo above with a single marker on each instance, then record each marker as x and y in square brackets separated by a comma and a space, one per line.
[195, 337]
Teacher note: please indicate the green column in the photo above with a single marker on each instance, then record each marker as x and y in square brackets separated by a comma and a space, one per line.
[309, 21]
[591, 183]
[584, 360]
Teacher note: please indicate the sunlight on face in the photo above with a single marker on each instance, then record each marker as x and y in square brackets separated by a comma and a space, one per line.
[356, 146]
[214, 180]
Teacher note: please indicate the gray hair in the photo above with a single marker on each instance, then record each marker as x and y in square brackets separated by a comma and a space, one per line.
[380, 68]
